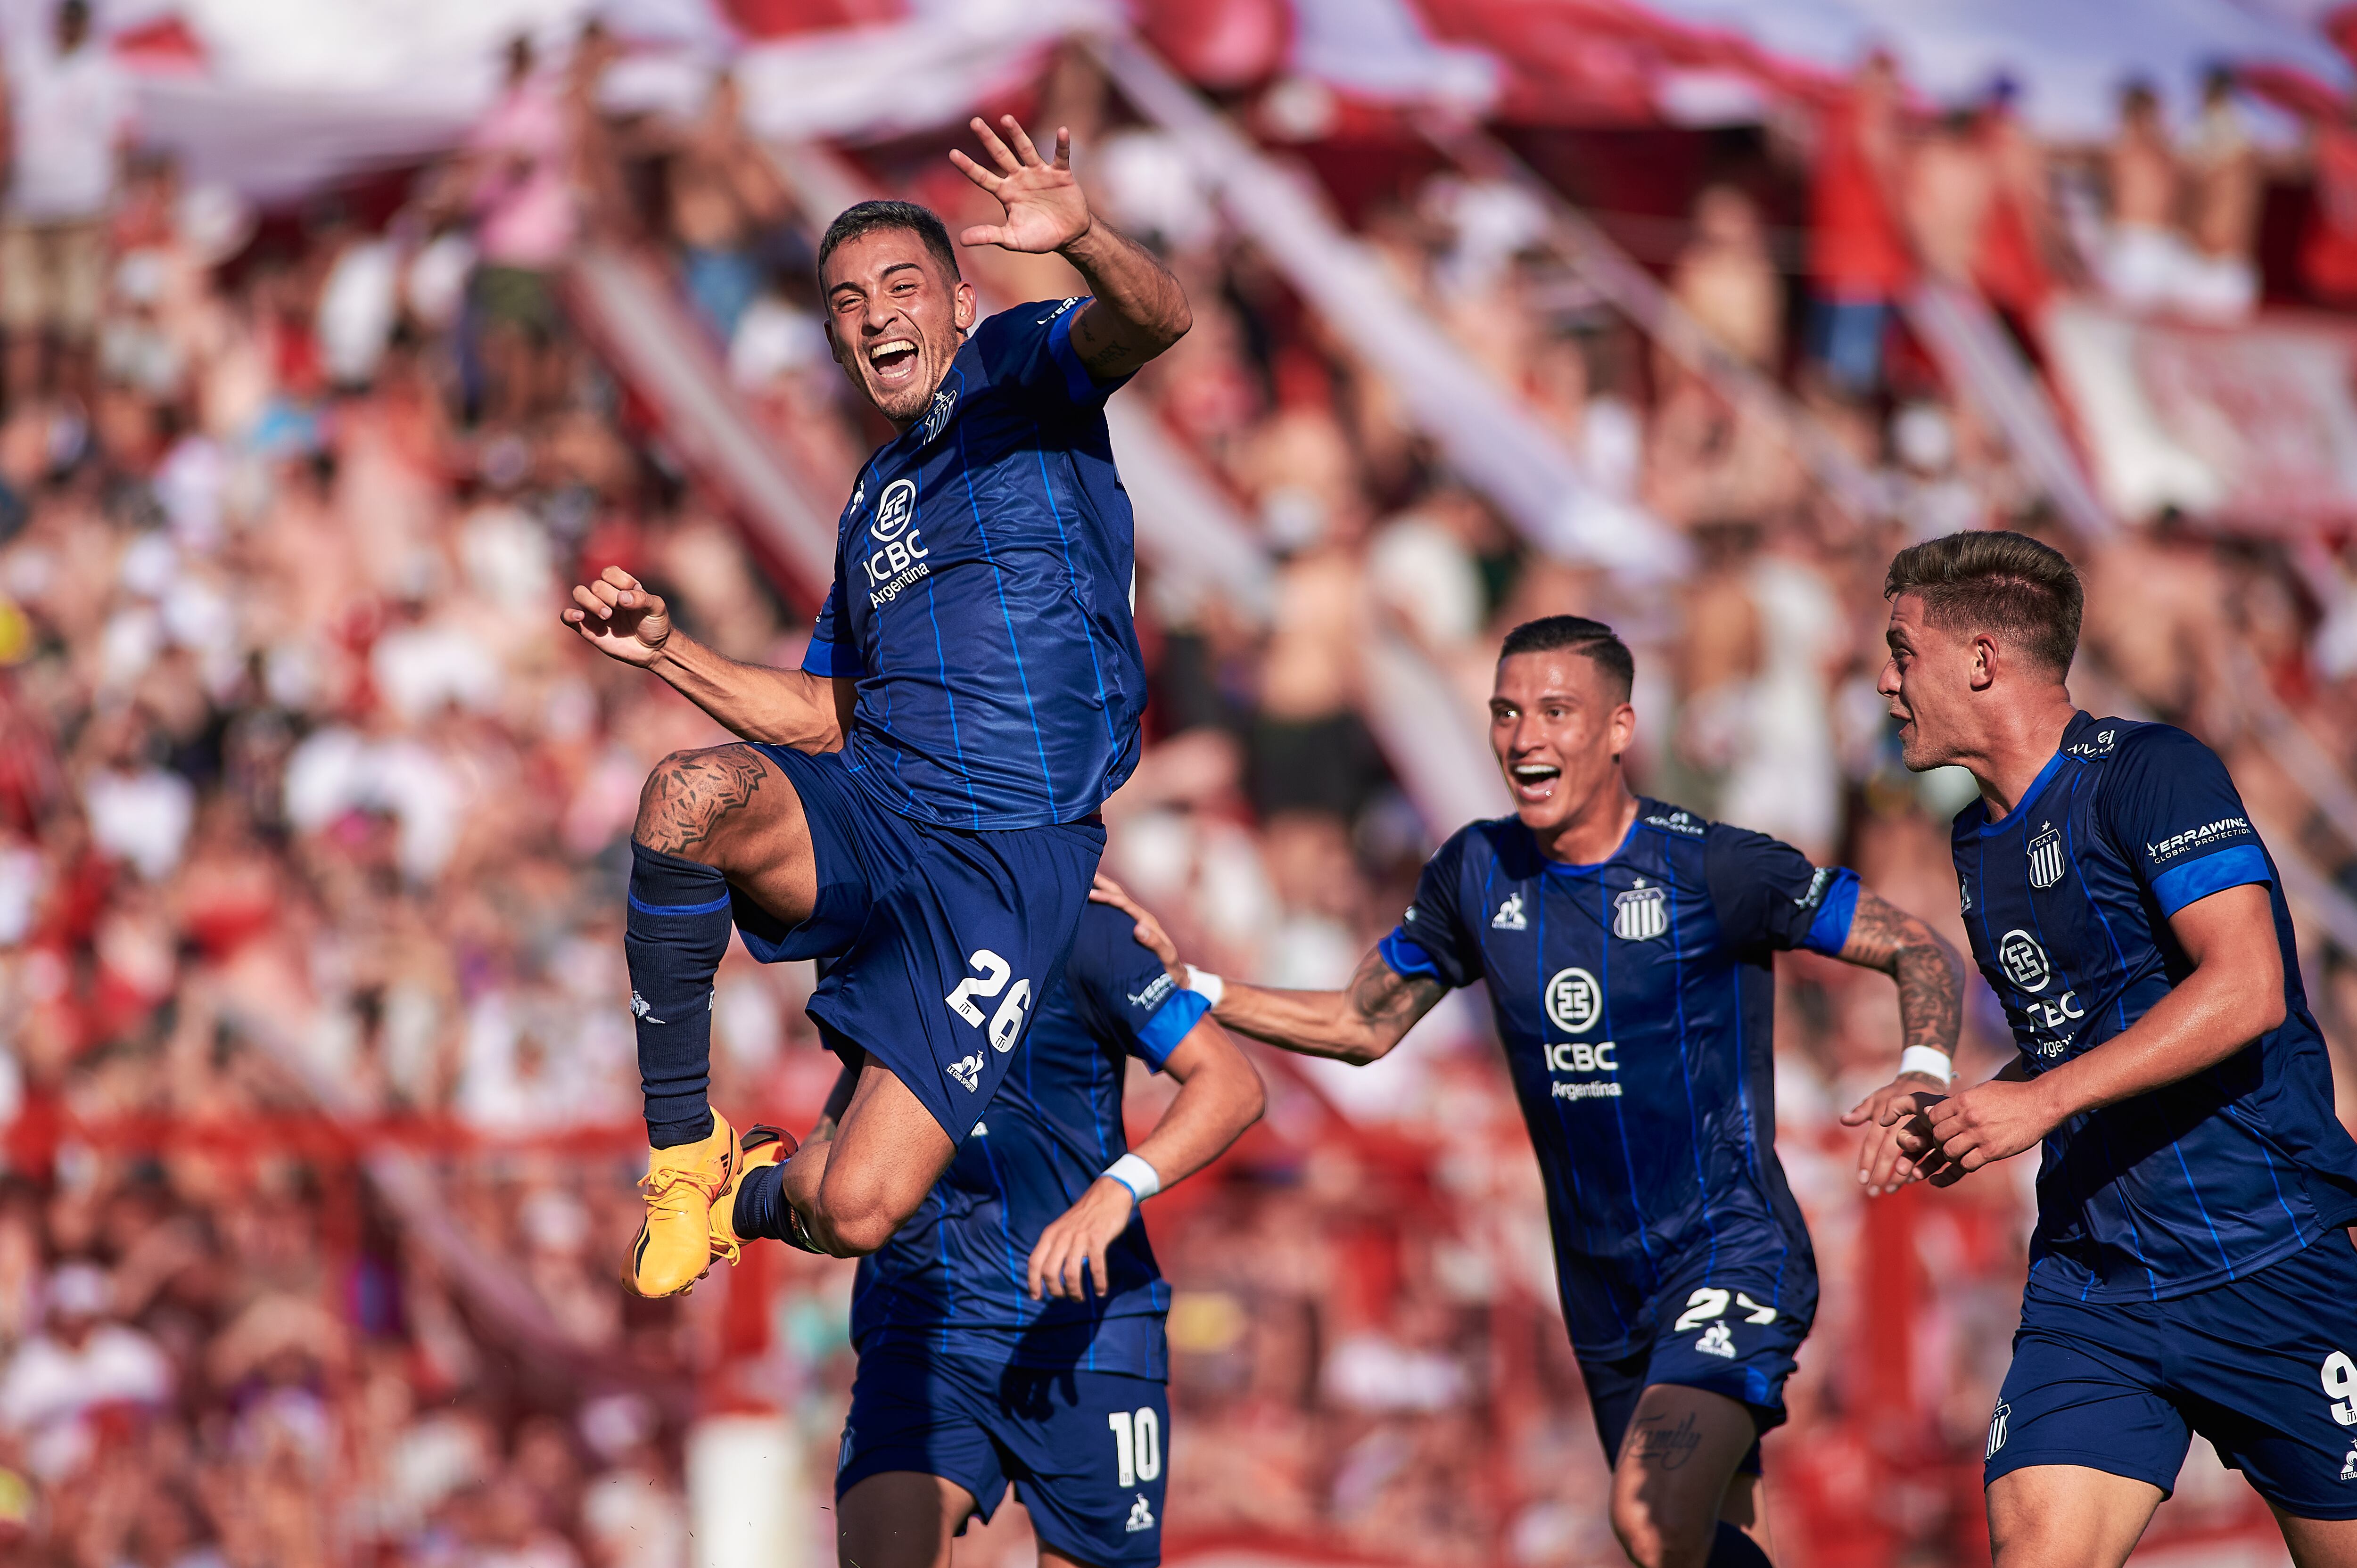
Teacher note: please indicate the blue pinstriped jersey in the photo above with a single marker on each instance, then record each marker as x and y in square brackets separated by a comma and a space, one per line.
[980, 593]
[1635, 1000]
[2067, 899]
[953, 1279]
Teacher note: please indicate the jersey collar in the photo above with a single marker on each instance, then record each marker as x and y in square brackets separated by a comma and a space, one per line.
[2079, 721]
[1570, 868]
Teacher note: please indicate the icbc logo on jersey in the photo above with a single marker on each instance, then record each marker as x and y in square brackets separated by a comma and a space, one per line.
[899, 559]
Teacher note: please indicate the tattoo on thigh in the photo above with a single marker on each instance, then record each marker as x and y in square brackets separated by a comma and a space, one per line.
[1660, 1446]
[688, 795]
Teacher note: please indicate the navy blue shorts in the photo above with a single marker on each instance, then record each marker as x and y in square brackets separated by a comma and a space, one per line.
[1086, 1450]
[945, 938]
[1722, 1337]
[2262, 1367]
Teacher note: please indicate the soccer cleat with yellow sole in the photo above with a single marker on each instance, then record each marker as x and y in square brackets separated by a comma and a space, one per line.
[762, 1146]
[675, 1246]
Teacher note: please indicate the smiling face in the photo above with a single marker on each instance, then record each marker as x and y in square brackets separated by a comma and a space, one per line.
[895, 319]
[1558, 726]
[1929, 682]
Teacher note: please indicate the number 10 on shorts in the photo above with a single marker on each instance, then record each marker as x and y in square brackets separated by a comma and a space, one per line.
[1137, 1444]
[1005, 1024]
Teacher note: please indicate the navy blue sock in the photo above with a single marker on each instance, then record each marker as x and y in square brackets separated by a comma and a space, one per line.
[760, 1204]
[1733, 1549]
[674, 936]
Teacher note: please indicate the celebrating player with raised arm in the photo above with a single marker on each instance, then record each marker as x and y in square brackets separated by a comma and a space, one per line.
[986, 1356]
[976, 666]
[2191, 1269]
[1628, 947]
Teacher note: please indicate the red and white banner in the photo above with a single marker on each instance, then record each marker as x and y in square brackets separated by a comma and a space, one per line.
[2254, 425]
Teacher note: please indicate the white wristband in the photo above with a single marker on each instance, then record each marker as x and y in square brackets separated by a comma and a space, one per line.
[1927, 1061]
[1136, 1175]
[1206, 984]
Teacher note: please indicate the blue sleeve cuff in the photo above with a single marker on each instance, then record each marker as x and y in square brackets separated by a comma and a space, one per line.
[2197, 879]
[1400, 951]
[1180, 1012]
[831, 659]
[1829, 932]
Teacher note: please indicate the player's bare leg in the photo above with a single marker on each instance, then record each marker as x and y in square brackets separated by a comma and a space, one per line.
[901, 1519]
[2069, 1516]
[2319, 1542]
[1675, 1480]
[730, 808]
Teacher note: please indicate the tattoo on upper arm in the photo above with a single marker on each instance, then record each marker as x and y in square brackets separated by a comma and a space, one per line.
[691, 792]
[1382, 996]
[1929, 973]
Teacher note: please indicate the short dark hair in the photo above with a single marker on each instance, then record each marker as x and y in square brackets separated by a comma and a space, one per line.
[1577, 634]
[867, 216]
[2007, 583]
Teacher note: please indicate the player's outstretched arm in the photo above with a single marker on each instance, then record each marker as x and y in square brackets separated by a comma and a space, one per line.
[617, 616]
[1930, 978]
[1219, 1095]
[2235, 994]
[1139, 310]
[855, 1188]
[1355, 1024]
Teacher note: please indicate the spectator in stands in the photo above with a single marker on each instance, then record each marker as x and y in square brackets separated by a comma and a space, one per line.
[722, 196]
[2022, 245]
[83, 1362]
[2144, 260]
[1859, 261]
[1727, 281]
[2222, 167]
[70, 122]
[521, 197]
[1950, 189]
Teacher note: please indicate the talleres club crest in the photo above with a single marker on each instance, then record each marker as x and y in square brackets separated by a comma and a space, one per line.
[1641, 913]
[2046, 856]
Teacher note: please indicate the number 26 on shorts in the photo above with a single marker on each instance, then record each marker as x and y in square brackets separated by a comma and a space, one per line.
[1136, 1444]
[1007, 1024]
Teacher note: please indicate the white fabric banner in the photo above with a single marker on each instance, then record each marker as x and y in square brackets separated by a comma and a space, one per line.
[2255, 425]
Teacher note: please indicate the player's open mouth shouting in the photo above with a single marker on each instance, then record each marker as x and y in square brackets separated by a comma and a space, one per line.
[1533, 781]
[893, 363]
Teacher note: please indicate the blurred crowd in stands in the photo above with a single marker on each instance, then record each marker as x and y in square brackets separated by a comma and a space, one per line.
[318, 1074]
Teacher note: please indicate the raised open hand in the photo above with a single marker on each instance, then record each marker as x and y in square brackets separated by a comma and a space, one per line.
[1045, 207]
[618, 619]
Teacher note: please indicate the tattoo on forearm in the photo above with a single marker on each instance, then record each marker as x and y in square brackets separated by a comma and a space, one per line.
[1931, 975]
[1660, 1446]
[690, 792]
[1380, 995]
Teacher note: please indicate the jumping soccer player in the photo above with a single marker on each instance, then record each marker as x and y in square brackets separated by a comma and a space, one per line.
[2191, 1269]
[1012, 1329]
[1628, 948]
[976, 666]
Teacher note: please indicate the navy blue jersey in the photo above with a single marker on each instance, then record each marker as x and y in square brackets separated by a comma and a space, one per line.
[2067, 900]
[1636, 1002]
[981, 596]
[952, 1280]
